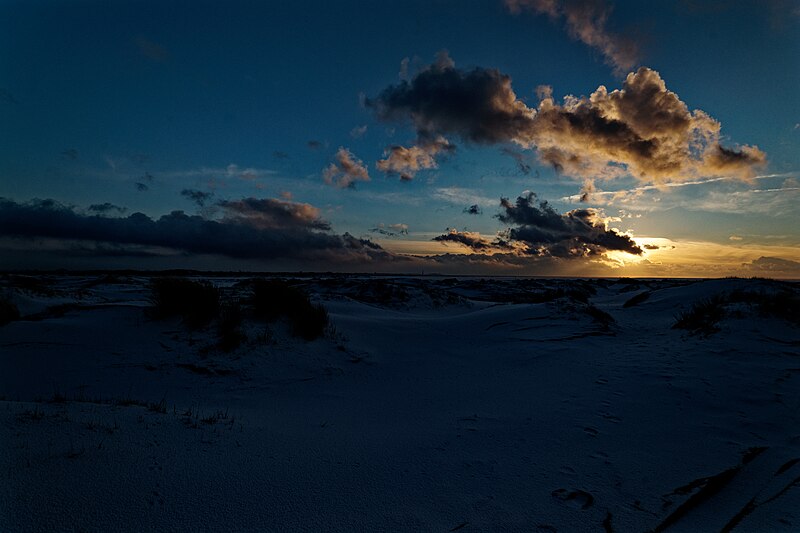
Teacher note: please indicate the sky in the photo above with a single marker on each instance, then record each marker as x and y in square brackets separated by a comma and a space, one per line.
[508, 137]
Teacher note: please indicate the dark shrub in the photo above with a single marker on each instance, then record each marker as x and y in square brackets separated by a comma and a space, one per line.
[311, 324]
[703, 316]
[229, 327]
[8, 312]
[196, 302]
[784, 303]
[273, 299]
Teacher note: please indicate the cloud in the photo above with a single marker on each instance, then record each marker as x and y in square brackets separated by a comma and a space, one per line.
[773, 264]
[472, 240]
[358, 131]
[279, 154]
[271, 213]
[106, 207]
[406, 162]
[345, 171]
[544, 232]
[390, 230]
[152, 50]
[585, 21]
[461, 196]
[474, 209]
[643, 129]
[522, 161]
[537, 230]
[141, 187]
[198, 197]
[251, 229]
[478, 105]
[314, 144]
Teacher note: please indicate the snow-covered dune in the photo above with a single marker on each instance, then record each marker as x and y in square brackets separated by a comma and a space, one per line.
[462, 404]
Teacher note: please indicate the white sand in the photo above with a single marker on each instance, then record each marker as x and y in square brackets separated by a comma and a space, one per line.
[467, 414]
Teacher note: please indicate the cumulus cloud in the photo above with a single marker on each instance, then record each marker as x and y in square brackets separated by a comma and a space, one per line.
[642, 129]
[198, 197]
[345, 171]
[472, 240]
[585, 21]
[250, 229]
[576, 233]
[406, 162]
[474, 209]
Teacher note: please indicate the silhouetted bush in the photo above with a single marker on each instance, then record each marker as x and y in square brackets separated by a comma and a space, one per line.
[703, 316]
[229, 327]
[196, 302]
[8, 312]
[784, 304]
[273, 299]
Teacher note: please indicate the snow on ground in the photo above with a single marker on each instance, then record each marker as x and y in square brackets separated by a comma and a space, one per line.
[461, 404]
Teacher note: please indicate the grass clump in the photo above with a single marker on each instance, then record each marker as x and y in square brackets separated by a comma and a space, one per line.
[703, 316]
[197, 303]
[275, 299]
[229, 327]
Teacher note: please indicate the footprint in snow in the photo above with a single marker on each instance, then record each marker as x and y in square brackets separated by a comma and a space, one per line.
[577, 499]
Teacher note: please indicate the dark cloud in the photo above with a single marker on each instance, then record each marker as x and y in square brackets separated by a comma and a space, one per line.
[315, 145]
[478, 105]
[522, 160]
[642, 129]
[198, 197]
[651, 247]
[577, 233]
[152, 50]
[474, 209]
[407, 161]
[252, 229]
[773, 264]
[271, 213]
[106, 208]
[345, 171]
[70, 153]
[585, 21]
[390, 230]
[141, 187]
[469, 239]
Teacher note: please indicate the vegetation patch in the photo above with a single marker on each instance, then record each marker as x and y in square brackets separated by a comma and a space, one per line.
[276, 299]
[703, 316]
[197, 303]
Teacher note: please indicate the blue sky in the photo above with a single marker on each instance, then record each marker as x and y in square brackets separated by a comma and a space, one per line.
[253, 99]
